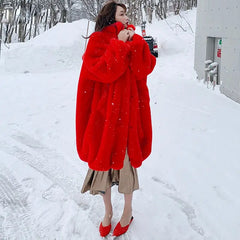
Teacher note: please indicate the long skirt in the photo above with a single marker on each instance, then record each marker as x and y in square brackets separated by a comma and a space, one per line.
[97, 182]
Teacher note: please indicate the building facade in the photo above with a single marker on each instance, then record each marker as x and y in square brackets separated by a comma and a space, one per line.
[218, 39]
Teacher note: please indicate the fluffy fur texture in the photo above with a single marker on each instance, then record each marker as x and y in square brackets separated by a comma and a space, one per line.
[112, 111]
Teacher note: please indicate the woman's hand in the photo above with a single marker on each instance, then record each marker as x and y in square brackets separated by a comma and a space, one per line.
[124, 35]
[131, 33]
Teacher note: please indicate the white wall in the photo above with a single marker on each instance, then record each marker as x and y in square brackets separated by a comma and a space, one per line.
[220, 18]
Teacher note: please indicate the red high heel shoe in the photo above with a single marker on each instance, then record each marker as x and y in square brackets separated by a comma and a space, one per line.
[104, 231]
[119, 230]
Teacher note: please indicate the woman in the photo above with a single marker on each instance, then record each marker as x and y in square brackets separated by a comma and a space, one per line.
[113, 121]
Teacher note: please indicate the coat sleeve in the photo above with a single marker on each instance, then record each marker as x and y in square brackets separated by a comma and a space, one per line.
[106, 60]
[142, 62]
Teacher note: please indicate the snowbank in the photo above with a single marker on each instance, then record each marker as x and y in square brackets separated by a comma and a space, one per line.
[61, 47]
[57, 49]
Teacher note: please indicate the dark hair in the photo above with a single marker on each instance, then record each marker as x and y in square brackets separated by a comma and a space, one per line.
[107, 14]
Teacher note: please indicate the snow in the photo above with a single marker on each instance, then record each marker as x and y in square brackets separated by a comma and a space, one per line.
[189, 186]
[59, 48]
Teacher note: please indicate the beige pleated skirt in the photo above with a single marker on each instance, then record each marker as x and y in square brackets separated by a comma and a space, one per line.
[97, 182]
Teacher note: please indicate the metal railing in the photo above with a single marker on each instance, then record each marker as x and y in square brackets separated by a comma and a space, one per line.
[211, 73]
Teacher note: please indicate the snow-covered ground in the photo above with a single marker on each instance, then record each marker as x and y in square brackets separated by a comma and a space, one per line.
[190, 185]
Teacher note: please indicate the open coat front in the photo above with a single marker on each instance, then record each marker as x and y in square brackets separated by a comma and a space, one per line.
[112, 111]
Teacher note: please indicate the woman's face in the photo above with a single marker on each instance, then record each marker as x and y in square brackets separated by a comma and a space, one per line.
[121, 16]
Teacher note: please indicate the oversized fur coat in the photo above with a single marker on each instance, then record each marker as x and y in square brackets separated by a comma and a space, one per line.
[112, 110]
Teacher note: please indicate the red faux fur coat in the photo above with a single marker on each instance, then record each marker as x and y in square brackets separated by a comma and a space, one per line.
[112, 111]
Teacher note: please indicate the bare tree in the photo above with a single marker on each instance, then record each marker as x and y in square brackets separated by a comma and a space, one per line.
[92, 7]
[30, 17]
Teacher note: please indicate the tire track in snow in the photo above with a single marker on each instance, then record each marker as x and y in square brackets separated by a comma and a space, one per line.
[13, 201]
[186, 208]
[1, 228]
[46, 161]
[189, 211]
[43, 160]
